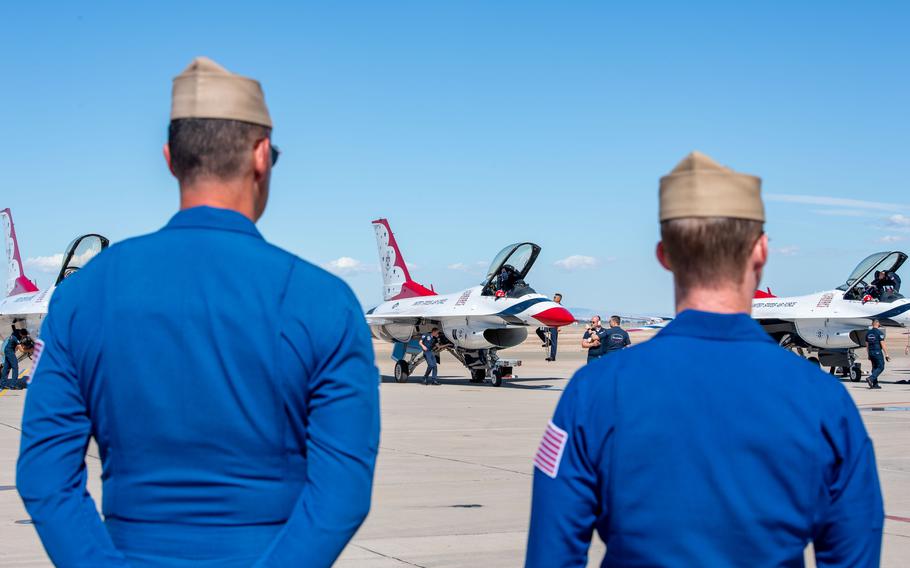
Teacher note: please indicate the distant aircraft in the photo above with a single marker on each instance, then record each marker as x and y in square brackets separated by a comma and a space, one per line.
[827, 327]
[475, 323]
[24, 305]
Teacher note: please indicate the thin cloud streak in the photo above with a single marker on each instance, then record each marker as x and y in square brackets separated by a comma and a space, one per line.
[829, 201]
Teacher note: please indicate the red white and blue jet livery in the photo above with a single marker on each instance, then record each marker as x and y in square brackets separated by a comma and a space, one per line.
[827, 327]
[24, 305]
[474, 323]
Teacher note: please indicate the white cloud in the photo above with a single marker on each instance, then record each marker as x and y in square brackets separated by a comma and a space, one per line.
[899, 220]
[49, 264]
[845, 213]
[576, 262]
[346, 266]
[835, 202]
[789, 250]
[891, 239]
[471, 268]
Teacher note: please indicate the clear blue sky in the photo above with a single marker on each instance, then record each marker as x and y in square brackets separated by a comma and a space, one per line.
[474, 124]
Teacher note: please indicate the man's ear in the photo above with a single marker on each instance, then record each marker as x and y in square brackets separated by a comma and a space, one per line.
[662, 256]
[760, 253]
[167, 158]
[262, 158]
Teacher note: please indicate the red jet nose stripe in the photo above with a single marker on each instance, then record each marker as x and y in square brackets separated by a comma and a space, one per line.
[555, 317]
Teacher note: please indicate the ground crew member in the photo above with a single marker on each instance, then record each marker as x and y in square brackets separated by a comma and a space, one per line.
[235, 454]
[617, 337]
[594, 339]
[10, 360]
[878, 353]
[550, 335]
[427, 342]
[708, 445]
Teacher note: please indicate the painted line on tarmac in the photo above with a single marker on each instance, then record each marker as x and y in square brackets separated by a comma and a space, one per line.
[377, 553]
[896, 518]
[525, 473]
[2, 392]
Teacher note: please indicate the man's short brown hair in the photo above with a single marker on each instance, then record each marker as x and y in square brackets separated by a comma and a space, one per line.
[709, 251]
[211, 147]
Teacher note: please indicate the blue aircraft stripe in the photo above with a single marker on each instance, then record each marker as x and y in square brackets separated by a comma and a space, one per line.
[893, 312]
[521, 306]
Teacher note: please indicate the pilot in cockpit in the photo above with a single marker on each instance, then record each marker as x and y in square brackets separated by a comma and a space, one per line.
[886, 283]
[508, 276]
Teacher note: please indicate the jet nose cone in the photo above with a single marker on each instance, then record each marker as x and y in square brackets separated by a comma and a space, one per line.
[555, 317]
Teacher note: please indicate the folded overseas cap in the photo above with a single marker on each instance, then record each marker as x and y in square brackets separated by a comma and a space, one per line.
[208, 90]
[700, 187]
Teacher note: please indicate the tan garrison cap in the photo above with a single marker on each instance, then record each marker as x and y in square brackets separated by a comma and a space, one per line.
[700, 187]
[208, 90]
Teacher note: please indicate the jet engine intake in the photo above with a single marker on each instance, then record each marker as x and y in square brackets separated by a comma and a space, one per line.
[468, 337]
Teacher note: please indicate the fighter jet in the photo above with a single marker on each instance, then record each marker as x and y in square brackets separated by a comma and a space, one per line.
[24, 304]
[475, 323]
[827, 327]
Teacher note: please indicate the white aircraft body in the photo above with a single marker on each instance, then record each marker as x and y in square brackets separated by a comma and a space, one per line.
[24, 305]
[474, 323]
[827, 327]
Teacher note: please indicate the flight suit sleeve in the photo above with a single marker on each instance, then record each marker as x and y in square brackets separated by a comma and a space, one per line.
[341, 411]
[51, 472]
[849, 530]
[565, 505]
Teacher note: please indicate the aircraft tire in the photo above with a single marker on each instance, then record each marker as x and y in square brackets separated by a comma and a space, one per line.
[496, 378]
[401, 371]
[855, 373]
[814, 360]
[478, 375]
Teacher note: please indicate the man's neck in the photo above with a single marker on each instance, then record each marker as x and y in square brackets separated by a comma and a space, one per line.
[727, 300]
[220, 194]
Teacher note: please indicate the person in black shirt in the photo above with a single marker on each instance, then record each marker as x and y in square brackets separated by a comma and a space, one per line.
[594, 339]
[427, 342]
[617, 337]
[878, 353]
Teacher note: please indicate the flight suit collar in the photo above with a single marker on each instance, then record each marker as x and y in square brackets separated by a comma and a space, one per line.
[721, 327]
[213, 218]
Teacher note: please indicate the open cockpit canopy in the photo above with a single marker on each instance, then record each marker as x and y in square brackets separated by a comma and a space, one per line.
[864, 273]
[79, 252]
[516, 261]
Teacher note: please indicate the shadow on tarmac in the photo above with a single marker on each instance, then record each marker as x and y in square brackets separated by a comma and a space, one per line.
[464, 381]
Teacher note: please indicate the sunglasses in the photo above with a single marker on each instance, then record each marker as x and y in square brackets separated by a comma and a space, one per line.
[276, 151]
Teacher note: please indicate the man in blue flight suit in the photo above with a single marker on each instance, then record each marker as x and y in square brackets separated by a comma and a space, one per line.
[878, 353]
[550, 335]
[594, 339]
[708, 445]
[10, 360]
[617, 337]
[215, 451]
[427, 343]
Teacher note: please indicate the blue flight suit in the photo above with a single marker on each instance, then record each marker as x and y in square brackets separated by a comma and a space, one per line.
[874, 338]
[708, 445]
[10, 361]
[429, 342]
[216, 450]
[617, 338]
[549, 336]
[598, 351]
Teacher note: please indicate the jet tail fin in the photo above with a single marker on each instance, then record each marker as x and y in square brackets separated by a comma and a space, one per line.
[762, 294]
[16, 281]
[396, 280]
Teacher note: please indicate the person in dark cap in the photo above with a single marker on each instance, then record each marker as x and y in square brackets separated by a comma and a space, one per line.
[215, 451]
[708, 445]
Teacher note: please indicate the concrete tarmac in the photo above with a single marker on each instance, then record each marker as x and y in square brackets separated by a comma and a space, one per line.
[453, 480]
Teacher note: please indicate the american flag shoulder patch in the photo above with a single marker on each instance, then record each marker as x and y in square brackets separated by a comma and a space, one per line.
[36, 358]
[549, 454]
